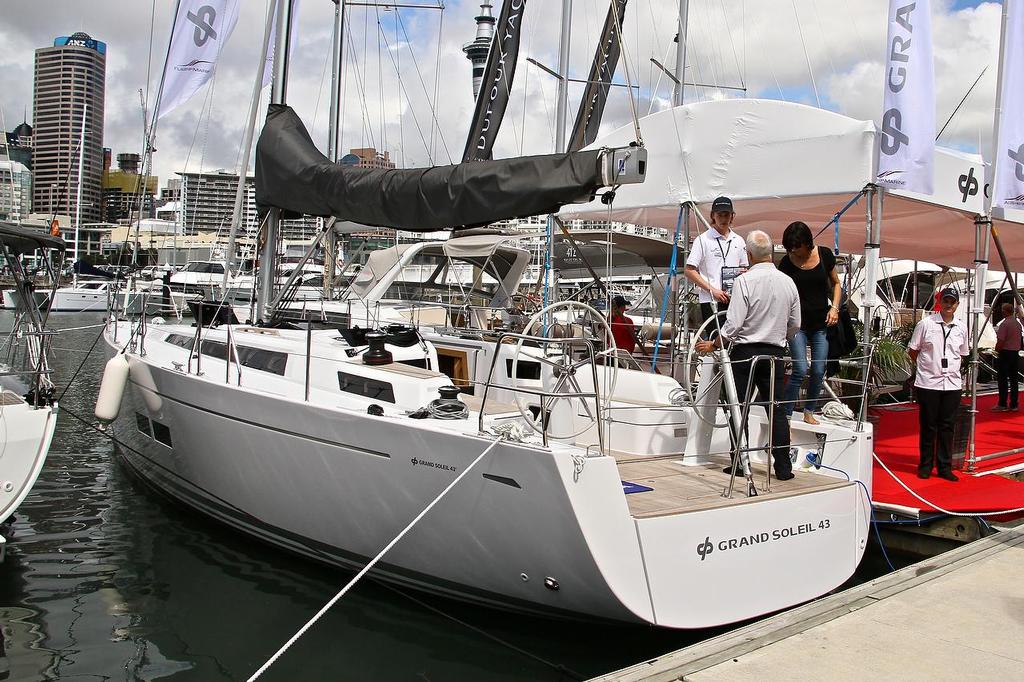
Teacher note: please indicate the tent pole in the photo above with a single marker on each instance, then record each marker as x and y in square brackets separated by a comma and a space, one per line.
[982, 228]
[873, 229]
[683, 286]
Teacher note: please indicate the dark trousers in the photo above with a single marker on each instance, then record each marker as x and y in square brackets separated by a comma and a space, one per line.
[938, 412]
[762, 379]
[1007, 364]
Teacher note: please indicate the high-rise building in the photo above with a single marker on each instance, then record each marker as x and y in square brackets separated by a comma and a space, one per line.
[19, 144]
[208, 202]
[123, 191]
[15, 184]
[69, 76]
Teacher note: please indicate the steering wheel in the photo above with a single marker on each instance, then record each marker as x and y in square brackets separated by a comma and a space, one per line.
[694, 366]
[559, 357]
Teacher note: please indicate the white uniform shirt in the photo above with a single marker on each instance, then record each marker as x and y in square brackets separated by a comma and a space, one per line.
[765, 307]
[711, 252]
[935, 340]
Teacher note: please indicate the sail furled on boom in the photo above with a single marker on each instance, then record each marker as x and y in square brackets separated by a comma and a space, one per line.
[291, 174]
[496, 85]
[606, 58]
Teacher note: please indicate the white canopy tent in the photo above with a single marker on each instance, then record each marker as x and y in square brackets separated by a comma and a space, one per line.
[781, 162]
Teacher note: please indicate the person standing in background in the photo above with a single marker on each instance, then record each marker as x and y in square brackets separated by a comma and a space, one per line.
[1008, 345]
[937, 347]
[813, 271]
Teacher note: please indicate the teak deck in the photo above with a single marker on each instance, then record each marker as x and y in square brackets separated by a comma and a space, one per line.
[679, 488]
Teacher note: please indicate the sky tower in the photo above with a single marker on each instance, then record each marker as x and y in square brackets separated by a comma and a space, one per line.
[477, 50]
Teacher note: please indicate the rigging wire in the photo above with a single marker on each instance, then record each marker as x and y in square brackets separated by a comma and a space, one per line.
[401, 84]
[732, 40]
[821, 32]
[807, 58]
[360, 78]
[432, 103]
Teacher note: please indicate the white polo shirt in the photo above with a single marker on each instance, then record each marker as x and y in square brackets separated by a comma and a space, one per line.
[935, 340]
[711, 252]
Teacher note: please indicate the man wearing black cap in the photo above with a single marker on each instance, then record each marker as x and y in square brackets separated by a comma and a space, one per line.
[716, 258]
[936, 347]
[623, 329]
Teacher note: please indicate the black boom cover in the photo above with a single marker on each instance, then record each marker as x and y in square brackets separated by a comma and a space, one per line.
[291, 174]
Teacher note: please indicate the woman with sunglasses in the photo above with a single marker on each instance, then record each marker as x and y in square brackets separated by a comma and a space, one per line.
[814, 272]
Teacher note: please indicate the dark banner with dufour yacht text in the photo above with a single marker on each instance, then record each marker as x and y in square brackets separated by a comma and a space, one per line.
[588, 118]
[496, 84]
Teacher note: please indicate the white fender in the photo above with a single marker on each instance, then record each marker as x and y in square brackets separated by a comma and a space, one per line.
[115, 377]
[143, 379]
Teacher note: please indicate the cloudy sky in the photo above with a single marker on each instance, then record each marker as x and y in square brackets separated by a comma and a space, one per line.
[407, 84]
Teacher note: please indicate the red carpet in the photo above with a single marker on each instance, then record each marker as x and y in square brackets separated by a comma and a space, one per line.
[896, 444]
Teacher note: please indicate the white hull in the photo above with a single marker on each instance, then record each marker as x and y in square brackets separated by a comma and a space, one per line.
[326, 480]
[29, 431]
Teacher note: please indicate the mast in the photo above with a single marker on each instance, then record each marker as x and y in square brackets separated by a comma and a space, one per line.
[278, 92]
[551, 289]
[78, 201]
[243, 170]
[983, 230]
[334, 135]
[677, 89]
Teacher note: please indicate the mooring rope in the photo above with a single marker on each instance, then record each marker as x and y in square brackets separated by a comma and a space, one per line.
[937, 507]
[373, 562]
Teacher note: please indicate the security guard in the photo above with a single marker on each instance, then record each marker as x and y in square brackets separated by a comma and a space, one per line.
[936, 347]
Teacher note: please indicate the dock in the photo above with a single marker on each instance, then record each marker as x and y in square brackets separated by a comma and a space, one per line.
[955, 616]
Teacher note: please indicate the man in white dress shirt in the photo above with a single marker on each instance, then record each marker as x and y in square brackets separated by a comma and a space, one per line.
[765, 311]
[936, 347]
[716, 258]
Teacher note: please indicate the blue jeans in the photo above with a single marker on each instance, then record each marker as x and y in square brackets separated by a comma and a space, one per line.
[819, 355]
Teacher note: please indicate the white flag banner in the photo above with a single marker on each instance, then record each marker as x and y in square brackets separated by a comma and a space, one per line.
[1009, 180]
[268, 66]
[907, 136]
[201, 28]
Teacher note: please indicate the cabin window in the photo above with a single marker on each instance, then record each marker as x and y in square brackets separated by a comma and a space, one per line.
[161, 433]
[179, 340]
[422, 363]
[366, 387]
[261, 359]
[142, 424]
[524, 370]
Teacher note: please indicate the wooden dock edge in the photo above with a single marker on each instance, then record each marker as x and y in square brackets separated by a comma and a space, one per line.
[677, 664]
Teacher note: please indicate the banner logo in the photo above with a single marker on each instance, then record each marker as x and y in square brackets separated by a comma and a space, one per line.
[892, 137]
[906, 136]
[203, 18]
[1018, 158]
[968, 185]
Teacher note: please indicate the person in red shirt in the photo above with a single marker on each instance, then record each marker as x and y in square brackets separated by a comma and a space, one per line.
[623, 328]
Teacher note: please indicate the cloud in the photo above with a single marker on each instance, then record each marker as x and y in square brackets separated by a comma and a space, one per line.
[395, 60]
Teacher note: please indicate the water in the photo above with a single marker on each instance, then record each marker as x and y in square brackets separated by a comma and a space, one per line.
[105, 580]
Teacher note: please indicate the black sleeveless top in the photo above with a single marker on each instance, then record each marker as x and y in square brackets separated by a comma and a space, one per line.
[814, 287]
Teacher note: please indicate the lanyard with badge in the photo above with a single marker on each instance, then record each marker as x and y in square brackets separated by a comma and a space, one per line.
[728, 274]
[945, 337]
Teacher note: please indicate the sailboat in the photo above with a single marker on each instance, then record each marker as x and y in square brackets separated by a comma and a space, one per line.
[27, 403]
[572, 487]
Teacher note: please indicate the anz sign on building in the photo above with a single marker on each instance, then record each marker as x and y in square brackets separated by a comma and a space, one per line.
[76, 41]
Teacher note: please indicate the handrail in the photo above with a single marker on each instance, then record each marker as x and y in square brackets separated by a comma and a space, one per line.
[741, 431]
[544, 394]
